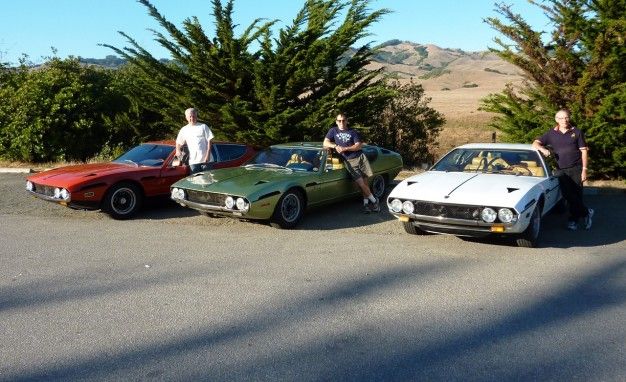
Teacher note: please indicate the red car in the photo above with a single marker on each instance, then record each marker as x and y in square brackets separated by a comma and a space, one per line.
[119, 187]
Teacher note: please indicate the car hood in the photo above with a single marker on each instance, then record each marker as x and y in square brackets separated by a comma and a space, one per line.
[465, 188]
[68, 175]
[242, 181]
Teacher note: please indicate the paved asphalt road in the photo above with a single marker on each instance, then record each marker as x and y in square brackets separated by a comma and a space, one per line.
[173, 295]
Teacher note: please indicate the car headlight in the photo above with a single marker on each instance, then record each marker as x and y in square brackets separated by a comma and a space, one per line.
[408, 207]
[65, 194]
[178, 193]
[230, 202]
[488, 215]
[57, 193]
[29, 185]
[242, 205]
[396, 205]
[505, 215]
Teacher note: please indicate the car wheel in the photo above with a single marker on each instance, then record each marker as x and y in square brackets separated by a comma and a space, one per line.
[288, 211]
[379, 185]
[412, 229]
[529, 237]
[122, 201]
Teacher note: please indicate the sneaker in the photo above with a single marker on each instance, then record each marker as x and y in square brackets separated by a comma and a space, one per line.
[572, 226]
[374, 207]
[588, 218]
[366, 208]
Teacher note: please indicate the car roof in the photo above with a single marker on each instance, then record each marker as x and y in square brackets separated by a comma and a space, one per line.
[304, 145]
[500, 146]
[171, 142]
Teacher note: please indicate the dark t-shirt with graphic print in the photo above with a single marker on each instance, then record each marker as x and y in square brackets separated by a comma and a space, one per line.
[345, 138]
[566, 146]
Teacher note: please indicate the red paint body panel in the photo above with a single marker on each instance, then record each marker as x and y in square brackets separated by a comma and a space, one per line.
[89, 183]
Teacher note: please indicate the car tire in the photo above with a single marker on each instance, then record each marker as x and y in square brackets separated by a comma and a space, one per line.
[289, 210]
[528, 238]
[379, 186]
[412, 229]
[122, 201]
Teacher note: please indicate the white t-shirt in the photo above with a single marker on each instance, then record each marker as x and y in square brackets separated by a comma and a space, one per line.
[197, 137]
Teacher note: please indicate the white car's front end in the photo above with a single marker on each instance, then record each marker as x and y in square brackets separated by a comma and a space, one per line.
[465, 204]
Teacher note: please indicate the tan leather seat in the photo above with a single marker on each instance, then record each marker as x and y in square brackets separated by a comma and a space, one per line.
[477, 164]
[534, 167]
[335, 162]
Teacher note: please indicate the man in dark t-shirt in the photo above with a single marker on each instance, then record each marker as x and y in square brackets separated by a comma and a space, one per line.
[570, 150]
[347, 142]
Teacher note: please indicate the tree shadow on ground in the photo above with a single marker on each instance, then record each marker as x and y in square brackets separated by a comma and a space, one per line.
[490, 350]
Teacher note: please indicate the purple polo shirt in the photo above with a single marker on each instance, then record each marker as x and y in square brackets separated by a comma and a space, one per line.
[566, 146]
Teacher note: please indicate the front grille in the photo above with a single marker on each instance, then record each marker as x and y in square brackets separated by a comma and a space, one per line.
[208, 198]
[447, 210]
[43, 190]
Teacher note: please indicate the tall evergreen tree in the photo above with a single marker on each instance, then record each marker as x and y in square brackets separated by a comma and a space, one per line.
[288, 89]
[582, 67]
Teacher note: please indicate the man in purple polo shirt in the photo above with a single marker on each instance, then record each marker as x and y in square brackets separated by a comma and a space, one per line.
[570, 151]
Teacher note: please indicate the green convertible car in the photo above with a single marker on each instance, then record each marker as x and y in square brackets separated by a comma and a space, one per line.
[281, 182]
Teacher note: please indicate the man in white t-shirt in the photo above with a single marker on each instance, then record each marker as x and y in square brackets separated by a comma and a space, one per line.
[198, 137]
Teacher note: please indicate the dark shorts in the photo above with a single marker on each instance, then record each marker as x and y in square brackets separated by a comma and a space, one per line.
[359, 167]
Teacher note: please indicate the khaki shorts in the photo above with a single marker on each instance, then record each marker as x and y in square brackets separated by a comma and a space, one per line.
[359, 167]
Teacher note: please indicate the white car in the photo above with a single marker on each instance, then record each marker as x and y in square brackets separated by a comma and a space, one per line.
[477, 190]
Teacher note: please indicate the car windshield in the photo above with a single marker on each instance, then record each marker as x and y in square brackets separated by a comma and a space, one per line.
[498, 161]
[148, 154]
[293, 158]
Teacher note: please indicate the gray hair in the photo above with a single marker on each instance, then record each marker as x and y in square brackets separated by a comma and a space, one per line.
[192, 110]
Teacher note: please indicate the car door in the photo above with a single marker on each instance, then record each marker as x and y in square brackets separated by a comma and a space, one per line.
[171, 173]
[334, 183]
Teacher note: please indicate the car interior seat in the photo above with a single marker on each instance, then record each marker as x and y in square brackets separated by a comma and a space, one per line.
[533, 167]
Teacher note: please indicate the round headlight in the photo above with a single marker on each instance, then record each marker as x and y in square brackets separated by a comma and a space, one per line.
[408, 207]
[242, 205]
[29, 185]
[396, 205]
[57, 193]
[178, 193]
[505, 215]
[65, 194]
[230, 202]
[488, 215]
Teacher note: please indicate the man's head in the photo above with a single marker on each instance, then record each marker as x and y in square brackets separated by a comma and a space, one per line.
[191, 115]
[562, 118]
[342, 121]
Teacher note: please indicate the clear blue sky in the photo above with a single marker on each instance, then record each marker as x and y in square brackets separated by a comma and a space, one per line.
[76, 27]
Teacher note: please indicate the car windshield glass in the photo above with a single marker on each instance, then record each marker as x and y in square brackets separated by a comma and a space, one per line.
[296, 159]
[489, 160]
[148, 154]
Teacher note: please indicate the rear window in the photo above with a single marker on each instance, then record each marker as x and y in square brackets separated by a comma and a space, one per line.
[229, 151]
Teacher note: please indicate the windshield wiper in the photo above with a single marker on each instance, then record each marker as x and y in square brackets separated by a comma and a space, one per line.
[272, 165]
[130, 161]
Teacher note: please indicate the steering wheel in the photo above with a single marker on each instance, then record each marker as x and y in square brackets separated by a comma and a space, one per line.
[497, 161]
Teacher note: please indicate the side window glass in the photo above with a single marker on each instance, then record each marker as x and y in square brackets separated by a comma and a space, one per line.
[228, 152]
